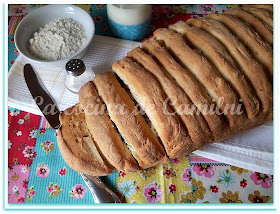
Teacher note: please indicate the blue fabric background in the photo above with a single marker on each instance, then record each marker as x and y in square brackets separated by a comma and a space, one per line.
[55, 162]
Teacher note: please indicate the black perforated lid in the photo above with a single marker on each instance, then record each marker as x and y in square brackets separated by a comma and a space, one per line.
[75, 67]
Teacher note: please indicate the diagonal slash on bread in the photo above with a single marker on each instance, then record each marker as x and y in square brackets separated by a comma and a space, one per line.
[217, 54]
[143, 144]
[104, 132]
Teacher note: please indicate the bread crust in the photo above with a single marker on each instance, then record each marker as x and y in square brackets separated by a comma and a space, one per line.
[103, 130]
[267, 7]
[218, 55]
[196, 125]
[77, 146]
[204, 72]
[196, 92]
[145, 146]
[263, 29]
[251, 68]
[149, 94]
[260, 50]
[262, 14]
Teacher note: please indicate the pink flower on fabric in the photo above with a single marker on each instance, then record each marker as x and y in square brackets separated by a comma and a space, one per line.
[204, 169]
[16, 53]
[21, 200]
[78, 191]
[122, 174]
[42, 170]
[152, 193]
[24, 183]
[172, 188]
[62, 172]
[48, 143]
[186, 176]
[42, 130]
[176, 160]
[207, 8]
[32, 193]
[20, 11]
[261, 179]
[49, 189]
[29, 152]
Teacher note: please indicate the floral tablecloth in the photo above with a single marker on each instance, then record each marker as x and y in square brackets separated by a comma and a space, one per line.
[38, 174]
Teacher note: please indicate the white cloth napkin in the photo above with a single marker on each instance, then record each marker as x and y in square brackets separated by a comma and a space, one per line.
[252, 149]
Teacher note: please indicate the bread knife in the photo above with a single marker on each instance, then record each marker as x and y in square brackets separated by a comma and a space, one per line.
[100, 192]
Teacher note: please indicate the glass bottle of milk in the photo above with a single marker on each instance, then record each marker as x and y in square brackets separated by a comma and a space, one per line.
[130, 21]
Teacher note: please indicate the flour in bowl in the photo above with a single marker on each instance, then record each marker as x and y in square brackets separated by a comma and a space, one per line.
[57, 40]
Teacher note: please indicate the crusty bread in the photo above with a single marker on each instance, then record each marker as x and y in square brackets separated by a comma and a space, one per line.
[151, 97]
[205, 73]
[267, 7]
[251, 67]
[196, 92]
[218, 55]
[139, 137]
[208, 65]
[263, 29]
[76, 144]
[259, 49]
[195, 123]
[262, 14]
[103, 130]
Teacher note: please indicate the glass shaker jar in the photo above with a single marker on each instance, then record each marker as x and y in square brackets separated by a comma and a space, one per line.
[77, 75]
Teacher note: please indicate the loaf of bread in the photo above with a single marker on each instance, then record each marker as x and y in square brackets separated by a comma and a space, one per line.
[193, 84]
[77, 145]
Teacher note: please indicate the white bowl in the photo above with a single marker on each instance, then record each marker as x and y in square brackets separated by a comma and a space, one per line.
[44, 15]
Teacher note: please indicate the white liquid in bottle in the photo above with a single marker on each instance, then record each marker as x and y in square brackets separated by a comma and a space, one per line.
[129, 14]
